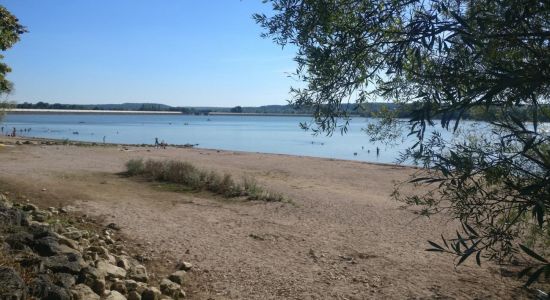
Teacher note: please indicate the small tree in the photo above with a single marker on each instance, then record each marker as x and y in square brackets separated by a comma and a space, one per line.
[10, 29]
[445, 58]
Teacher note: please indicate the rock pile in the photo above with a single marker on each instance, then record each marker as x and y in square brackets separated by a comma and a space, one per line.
[44, 258]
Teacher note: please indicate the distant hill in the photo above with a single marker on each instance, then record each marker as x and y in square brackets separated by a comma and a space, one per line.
[365, 110]
[123, 106]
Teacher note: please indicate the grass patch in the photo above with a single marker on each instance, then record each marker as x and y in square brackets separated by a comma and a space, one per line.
[183, 176]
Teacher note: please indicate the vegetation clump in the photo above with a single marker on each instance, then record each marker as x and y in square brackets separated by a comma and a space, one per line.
[440, 60]
[196, 179]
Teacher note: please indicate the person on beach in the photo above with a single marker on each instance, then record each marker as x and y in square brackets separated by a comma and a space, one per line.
[156, 142]
[13, 133]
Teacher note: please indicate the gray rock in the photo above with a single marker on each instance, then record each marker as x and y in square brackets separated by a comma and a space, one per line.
[99, 286]
[66, 241]
[178, 277]
[114, 295]
[134, 296]
[112, 259]
[4, 202]
[64, 280]
[43, 287]
[120, 287]
[40, 215]
[30, 207]
[15, 217]
[185, 266]
[20, 240]
[138, 273]
[88, 275]
[65, 263]
[101, 251]
[132, 285]
[113, 226]
[49, 245]
[11, 285]
[83, 292]
[172, 289]
[84, 243]
[109, 270]
[123, 262]
[151, 293]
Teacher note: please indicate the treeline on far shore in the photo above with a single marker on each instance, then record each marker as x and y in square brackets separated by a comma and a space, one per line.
[374, 109]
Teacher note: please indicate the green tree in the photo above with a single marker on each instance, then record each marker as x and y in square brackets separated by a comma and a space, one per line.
[236, 109]
[10, 29]
[442, 59]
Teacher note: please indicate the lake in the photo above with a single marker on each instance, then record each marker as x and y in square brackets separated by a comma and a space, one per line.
[267, 134]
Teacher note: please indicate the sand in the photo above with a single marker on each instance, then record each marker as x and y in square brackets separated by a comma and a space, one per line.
[341, 237]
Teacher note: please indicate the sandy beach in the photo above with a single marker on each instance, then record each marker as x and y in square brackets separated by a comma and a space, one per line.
[340, 237]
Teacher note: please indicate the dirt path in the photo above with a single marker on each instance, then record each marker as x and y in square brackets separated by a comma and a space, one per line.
[342, 237]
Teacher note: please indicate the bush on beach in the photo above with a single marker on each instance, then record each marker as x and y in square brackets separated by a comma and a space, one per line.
[134, 167]
[188, 175]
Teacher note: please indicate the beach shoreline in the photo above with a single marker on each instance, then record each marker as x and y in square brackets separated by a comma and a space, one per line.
[341, 236]
[188, 146]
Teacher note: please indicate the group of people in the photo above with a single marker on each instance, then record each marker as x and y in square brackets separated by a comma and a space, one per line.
[162, 144]
[14, 131]
[368, 151]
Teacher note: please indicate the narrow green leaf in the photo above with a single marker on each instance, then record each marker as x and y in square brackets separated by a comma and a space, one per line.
[532, 254]
[465, 256]
[435, 245]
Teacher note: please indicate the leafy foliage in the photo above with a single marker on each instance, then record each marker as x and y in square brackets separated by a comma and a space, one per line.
[10, 29]
[442, 59]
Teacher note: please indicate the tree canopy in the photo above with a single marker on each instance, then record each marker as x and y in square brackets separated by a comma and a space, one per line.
[445, 58]
[10, 29]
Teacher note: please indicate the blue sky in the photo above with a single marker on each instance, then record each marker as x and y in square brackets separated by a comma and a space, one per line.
[177, 52]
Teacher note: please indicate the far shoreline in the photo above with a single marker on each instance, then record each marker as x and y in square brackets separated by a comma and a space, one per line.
[70, 142]
[88, 111]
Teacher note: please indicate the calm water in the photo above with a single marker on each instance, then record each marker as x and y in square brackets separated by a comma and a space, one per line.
[268, 134]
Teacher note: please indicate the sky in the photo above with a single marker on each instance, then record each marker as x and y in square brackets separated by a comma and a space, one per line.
[176, 52]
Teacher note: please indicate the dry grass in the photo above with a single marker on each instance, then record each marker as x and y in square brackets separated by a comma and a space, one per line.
[193, 178]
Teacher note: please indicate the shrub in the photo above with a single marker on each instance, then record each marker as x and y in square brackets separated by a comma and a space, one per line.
[178, 172]
[134, 167]
[213, 181]
[187, 175]
[254, 192]
[251, 188]
[154, 169]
